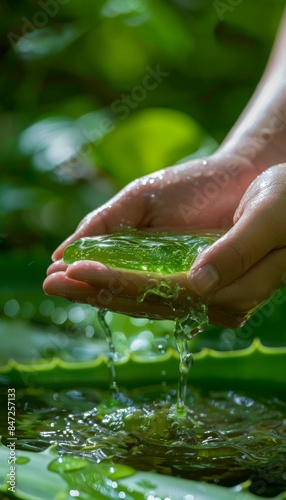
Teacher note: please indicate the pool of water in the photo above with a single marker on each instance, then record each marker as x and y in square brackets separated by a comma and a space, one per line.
[223, 437]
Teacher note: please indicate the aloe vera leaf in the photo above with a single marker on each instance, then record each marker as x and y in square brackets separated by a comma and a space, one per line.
[48, 476]
[257, 366]
[34, 481]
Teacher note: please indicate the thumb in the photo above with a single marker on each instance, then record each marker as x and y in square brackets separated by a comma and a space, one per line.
[252, 237]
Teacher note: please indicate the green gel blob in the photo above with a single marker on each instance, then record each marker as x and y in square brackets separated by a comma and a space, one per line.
[158, 252]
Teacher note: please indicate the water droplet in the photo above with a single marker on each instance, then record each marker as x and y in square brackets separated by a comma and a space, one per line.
[76, 314]
[28, 310]
[46, 307]
[140, 345]
[89, 331]
[138, 321]
[68, 463]
[74, 493]
[12, 308]
[59, 315]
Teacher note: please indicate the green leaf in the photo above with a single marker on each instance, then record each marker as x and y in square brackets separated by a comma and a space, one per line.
[121, 59]
[260, 368]
[40, 43]
[34, 481]
[57, 140]
[48, 476]
[112, 8]
[147, 141]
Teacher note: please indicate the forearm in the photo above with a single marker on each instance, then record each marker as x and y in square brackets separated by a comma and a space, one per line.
[259, 135]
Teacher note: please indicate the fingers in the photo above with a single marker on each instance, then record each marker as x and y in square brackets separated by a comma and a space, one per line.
[151, 287]
[230, 257]
[126, 209]
[233, 304]
[119, 282]
[118, 290]
[104, 295]
[57, 266]
[254, 287]
[61, 285]
[129, 292]
[259, 229]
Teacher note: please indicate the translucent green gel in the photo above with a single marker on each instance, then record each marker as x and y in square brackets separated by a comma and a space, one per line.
[162, 253]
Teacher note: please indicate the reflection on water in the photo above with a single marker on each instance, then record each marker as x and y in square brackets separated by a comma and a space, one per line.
[223, 437]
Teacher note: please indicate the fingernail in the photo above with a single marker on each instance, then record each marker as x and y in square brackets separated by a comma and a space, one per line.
[58, 253]
[204, 279]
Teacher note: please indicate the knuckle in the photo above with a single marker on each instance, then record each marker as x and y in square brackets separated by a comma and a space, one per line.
[240, 257]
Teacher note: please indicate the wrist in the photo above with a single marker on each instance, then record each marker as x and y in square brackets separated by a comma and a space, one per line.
[259, 134]
[259, 146]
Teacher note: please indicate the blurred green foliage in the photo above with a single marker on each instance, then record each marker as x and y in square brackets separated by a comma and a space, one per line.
[97, 93]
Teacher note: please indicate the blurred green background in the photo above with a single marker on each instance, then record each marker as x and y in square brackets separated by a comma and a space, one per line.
[94, 94]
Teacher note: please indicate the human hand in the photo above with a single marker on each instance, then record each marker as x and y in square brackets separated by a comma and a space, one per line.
[195, 195]
[246, 265]
[250, 260]
[200, 194]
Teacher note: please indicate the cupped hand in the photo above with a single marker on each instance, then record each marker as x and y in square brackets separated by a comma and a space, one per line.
[194, 196]
[138, 294]
[248, 264]
[200, 194]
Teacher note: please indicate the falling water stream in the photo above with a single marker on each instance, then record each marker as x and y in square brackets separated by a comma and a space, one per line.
[195, 322]
[113, 387]
[184, 329]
